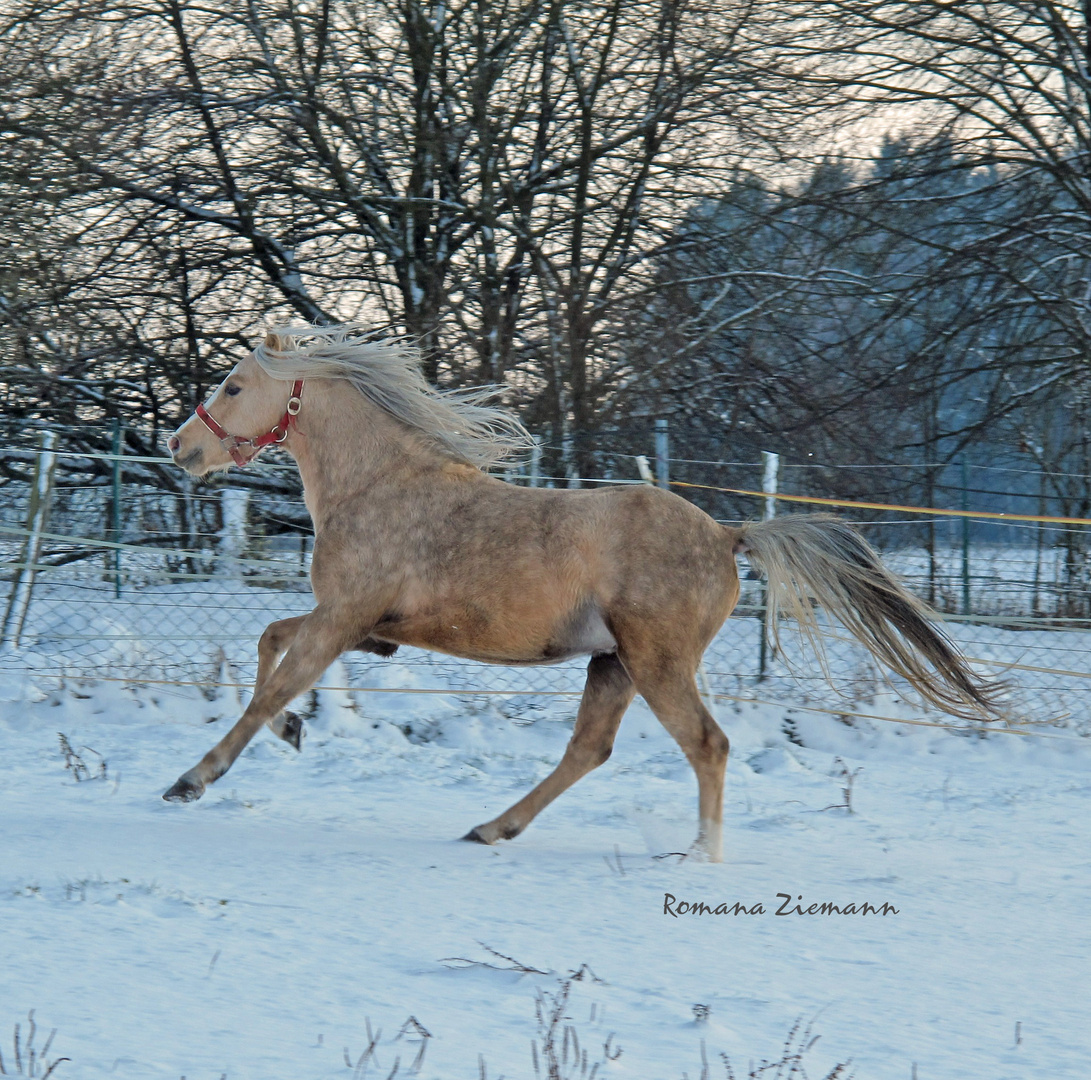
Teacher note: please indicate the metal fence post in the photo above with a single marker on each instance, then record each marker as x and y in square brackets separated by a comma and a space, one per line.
[965, 539]
[536, 461]
[38, 513]
[116, 508]
[1039, 537]
[662, 456]
[771, 466]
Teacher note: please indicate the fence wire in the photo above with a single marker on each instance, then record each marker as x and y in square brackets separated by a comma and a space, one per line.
[143, 581]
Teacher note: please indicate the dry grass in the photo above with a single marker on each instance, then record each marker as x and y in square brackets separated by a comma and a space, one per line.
[76, 765]
[28, 1060]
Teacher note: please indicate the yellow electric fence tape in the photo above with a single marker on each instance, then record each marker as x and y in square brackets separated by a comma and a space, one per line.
[981, 514]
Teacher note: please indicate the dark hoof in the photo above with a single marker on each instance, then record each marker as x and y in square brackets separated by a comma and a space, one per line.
[184, 791]
[294, 730]
[474, 837]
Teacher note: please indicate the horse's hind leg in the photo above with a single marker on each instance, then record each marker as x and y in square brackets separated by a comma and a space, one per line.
[673, 696]
[606, 696]
[274, 642]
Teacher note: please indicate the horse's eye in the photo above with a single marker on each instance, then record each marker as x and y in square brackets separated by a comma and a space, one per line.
[231, 389]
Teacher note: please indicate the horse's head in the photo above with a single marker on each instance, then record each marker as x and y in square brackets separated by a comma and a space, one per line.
[248, 411]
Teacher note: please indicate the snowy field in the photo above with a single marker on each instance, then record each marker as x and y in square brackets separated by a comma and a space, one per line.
[310, 898]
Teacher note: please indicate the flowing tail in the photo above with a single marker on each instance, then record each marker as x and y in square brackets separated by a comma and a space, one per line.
[821, 556]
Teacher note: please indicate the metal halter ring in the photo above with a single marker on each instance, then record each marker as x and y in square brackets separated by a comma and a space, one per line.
[294, 405]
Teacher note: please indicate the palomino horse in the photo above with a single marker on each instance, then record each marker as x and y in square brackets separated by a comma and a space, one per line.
[416, 545]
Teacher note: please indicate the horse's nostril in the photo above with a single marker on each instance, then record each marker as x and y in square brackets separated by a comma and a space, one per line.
[173, 443]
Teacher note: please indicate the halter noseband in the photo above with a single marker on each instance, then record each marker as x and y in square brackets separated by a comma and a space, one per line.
[277, 434]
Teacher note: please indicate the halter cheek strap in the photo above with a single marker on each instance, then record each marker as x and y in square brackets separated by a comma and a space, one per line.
[276, 434]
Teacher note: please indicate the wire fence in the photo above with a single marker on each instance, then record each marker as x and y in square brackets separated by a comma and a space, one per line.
[113, 571]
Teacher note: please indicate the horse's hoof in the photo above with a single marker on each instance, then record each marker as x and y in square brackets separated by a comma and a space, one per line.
[184, 790]
[293, 730]
[474, 837]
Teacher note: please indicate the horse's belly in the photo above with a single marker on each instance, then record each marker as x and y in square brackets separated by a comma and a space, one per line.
[473, 637]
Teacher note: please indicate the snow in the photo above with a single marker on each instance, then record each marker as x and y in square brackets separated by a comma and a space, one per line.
[259, 932]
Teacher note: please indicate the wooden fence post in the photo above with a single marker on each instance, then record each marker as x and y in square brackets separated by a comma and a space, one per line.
[37, 515]
[771, 463]
[234, 511]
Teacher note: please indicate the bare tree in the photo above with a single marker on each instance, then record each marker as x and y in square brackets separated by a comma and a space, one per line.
[919, 301]
[497, 181]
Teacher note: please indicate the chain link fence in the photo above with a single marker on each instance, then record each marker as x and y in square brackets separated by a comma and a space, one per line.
[122, 568]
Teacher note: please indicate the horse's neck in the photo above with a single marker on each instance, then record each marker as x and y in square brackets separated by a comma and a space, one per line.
[343, 444]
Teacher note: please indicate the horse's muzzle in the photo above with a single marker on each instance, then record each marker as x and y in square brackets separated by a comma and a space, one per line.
[187, 461]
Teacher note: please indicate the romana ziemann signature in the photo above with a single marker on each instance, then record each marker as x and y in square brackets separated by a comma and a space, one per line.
[788, 905]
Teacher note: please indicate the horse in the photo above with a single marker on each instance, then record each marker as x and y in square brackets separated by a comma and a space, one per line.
[417, 544]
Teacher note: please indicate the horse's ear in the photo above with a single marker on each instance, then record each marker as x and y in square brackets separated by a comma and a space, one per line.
[277, 343]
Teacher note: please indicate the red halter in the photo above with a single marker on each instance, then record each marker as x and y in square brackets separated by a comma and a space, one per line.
[276, 434]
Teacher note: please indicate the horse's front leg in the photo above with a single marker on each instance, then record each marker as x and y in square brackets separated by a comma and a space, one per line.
[319, 639]
[276, 640]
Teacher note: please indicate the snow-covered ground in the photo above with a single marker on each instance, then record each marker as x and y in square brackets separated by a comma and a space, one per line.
[307, 897]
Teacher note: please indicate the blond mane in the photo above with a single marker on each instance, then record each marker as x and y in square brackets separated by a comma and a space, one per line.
[464, 423]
